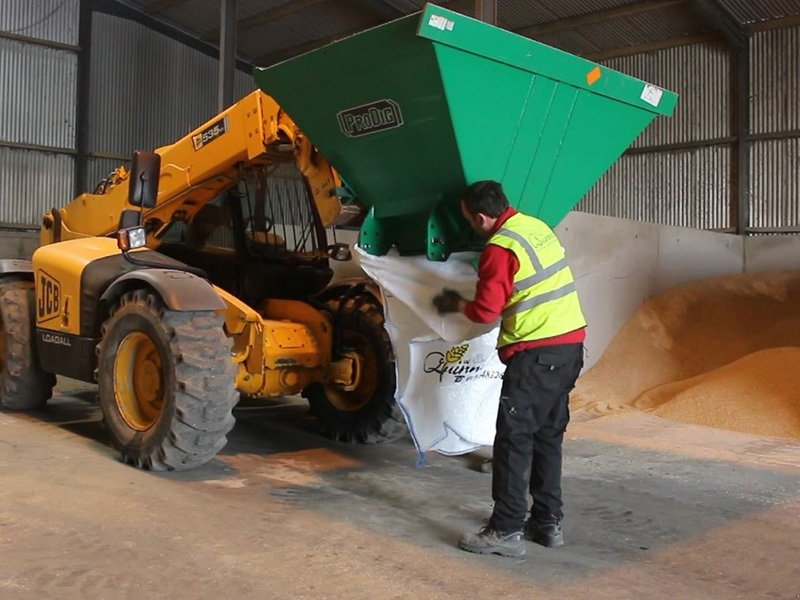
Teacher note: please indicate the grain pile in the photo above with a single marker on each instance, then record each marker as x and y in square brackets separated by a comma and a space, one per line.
[723, 352]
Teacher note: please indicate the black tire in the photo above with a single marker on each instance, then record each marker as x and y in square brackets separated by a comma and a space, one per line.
[166, 383]
[368, 414]
[23, 383]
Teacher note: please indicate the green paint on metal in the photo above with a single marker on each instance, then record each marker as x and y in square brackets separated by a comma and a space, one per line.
[413, 111]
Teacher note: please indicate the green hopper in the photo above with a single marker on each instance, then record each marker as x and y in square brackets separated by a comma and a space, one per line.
[413, 111]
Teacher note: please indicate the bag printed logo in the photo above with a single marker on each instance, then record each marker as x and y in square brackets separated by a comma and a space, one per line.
[454, 365]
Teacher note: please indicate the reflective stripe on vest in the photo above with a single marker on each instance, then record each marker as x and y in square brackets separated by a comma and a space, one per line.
[519, 307]
[541, 273]
[524, 318]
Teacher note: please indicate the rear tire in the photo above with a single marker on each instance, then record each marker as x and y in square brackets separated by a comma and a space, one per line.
[369, 414]
[23, 383]
[166, 383]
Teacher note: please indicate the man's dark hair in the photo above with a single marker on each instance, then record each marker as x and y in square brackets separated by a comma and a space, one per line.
[485, 197]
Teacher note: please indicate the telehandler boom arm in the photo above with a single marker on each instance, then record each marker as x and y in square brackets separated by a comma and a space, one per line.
[197, 167]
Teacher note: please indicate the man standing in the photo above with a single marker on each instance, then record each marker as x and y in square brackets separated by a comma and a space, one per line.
[524, 279]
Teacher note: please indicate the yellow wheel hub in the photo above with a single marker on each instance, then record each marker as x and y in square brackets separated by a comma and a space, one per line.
[367, 381]
[138, 381]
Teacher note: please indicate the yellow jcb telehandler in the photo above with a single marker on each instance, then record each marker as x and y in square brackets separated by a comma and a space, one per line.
[200, 276]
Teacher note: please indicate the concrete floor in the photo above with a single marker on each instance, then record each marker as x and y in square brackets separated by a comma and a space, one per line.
[655, 509]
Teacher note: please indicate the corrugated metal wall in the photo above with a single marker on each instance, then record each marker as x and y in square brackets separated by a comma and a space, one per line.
[147, 91]
[35, 81]
[775, 185]
[51, 20]
[775, 167]
[38, 75]
[32, 183]
[688, 186]
[685, 186]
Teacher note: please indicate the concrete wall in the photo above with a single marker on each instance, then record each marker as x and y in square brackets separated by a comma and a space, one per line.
[18, 243]
[619, 263]
[772, 253]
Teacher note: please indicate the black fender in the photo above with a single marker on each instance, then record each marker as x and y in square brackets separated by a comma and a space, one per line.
[358, 289]
[180, 290]
[13, 266]
[351, 286]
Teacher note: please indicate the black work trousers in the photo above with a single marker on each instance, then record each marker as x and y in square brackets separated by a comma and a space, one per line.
[531, 420]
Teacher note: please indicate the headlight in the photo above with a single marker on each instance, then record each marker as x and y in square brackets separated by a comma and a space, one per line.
[131, 238]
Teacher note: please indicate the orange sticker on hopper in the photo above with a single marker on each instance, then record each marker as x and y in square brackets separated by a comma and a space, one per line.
[593, 75]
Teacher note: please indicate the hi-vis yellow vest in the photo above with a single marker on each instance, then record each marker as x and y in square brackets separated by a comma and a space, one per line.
[544, 302]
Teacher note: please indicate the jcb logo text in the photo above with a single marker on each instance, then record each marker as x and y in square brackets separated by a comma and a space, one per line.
[49, 303]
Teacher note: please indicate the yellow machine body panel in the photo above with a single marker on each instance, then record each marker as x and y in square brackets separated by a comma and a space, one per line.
[280, 350]
[57, 271]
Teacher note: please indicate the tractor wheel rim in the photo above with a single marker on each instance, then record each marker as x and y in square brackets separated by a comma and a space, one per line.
[138, 381]
[362, 395]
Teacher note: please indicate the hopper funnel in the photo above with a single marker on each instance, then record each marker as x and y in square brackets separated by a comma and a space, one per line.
[413, 111]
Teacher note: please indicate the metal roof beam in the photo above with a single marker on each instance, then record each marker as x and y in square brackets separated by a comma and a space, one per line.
[685, 40]
[788, 21]
[162, 5]
[718, 16]
[380, 8]
[165, 27]
[616, 12]
[273, 57]
[262, 18]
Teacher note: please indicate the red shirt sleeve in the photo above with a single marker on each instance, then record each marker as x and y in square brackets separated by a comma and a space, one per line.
[496, 271]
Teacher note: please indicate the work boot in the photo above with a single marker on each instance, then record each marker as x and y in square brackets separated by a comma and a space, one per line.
[490, 541]
[545, 532]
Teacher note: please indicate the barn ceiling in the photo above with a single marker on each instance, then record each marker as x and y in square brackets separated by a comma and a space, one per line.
[269, 31]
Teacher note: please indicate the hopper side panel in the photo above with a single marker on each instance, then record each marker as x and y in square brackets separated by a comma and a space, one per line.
[479, 38]
[595, 136]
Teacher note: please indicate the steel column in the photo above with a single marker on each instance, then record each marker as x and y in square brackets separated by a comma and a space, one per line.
[741, 116]
[82, 97]
[738, 39]
[486, 11]
[227, 53]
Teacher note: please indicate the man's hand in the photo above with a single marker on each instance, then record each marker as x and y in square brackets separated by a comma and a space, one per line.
[448, 301]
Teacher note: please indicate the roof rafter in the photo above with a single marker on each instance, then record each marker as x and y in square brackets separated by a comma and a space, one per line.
[719, 17]
[267, 16]
[787, 21]
[684, 40]
[380, 8]
[162, 5]
[278, 55]
[597, 16]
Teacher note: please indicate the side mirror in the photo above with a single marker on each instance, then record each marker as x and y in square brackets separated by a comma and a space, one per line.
[339, 251]
[143, 182]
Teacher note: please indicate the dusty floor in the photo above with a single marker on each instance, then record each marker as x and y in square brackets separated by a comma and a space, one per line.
[655, 509]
